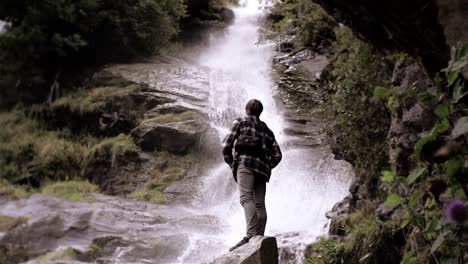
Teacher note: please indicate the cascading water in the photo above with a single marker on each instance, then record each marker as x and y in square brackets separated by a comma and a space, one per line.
[306, 184]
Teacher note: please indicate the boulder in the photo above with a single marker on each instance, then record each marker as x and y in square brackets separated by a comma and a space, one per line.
[176, 137]
[259, 250]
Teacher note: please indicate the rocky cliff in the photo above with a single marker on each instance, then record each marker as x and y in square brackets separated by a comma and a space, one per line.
[376, 89]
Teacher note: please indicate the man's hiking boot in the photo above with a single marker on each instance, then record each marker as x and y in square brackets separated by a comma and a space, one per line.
[244, 241]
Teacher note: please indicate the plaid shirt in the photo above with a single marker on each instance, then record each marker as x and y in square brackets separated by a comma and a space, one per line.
[262, 164]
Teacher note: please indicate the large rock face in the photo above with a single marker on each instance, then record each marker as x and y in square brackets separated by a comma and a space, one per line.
[409, 25]
[109, 230]
[259, 250]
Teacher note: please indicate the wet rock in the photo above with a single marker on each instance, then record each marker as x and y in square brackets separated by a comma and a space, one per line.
[177, 137]
[120, 174]
[340, 208]
[259, 250]
[287, 44]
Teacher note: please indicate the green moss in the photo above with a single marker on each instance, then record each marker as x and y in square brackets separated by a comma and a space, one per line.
[75, 190]
[92, 100]
[172, 118]
[63, 254]
[7, 222]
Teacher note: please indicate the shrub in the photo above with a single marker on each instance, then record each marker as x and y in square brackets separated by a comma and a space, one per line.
[29, 153]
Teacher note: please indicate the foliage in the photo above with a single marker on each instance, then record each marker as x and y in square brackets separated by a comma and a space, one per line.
[29, 151]
[323, 251]
[73, 190]
[46, 36]
[305, 19]
[7, 222]
[440, 175]
[361, 122]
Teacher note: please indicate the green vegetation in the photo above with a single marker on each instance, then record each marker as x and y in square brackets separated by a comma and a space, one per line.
[172, 118]
[428, 220]
[361, 122]
[62, 254]
[28, 150]
[7, 222]
[13, 191]
[175, 169]
[304, 19]
[73, 190]
[118, 146]
[92, 100]
[45, 37]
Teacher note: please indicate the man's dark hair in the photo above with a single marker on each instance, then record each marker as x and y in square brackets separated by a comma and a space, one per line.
[254, 107]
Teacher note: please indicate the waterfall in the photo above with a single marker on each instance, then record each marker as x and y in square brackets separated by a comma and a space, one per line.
[306, 184]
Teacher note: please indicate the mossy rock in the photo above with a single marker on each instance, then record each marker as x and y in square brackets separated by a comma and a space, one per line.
[101, 111]
[176, 133]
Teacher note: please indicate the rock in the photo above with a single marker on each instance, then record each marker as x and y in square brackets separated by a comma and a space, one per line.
[340, 208]
[452, 17]
[398, 24]
[108, 78]
[410, 118]
[287, 44]
[259, 250]
[177, 137]
[383, 212]
[120, 174]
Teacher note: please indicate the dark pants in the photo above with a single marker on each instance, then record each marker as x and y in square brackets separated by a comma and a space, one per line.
[252, 191]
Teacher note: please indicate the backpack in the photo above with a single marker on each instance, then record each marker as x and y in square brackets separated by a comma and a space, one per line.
[251, 144]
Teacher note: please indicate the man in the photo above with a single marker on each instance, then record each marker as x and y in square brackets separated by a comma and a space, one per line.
[256, 154]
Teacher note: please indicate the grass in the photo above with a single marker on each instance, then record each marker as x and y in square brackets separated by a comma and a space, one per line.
[75, 190]
[13, 191]
[28, 149]
[92, 100]
[63, 254]
[119, 145]
[175, 169]
[172, 118]
[7, 222]
[363, 234]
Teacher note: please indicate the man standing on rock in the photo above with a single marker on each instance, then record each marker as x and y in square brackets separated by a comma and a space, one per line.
[256, 153]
